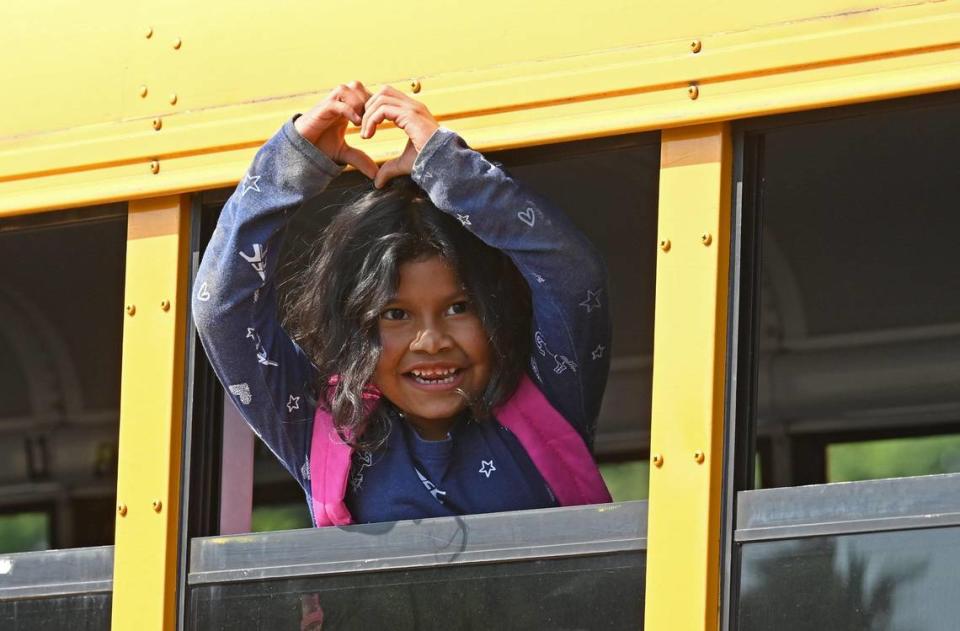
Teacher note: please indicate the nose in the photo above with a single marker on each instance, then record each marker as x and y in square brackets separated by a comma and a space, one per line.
[431, 339]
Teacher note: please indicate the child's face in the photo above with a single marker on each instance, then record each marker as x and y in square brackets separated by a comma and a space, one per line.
[433, 344]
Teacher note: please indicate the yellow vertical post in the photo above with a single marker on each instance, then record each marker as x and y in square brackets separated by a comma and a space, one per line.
[689, 370]
[151, 414]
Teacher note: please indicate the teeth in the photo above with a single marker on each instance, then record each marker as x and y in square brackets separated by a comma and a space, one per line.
[434, 376]
[434, 373]
[433, 382]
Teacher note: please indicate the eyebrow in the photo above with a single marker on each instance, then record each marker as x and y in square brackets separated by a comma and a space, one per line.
[458, 296]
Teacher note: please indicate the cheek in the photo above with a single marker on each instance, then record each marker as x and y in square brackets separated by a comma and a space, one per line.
[391, 352]
[476, 344]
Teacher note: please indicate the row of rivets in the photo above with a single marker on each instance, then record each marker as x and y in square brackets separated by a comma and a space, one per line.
[132, 309]
[122, 508]
[706, 239]
[698, 456]
[177, 42]
[172, 99]
[693, 91]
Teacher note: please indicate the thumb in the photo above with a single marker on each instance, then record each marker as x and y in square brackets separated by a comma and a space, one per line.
[388, 170]
[360, 161]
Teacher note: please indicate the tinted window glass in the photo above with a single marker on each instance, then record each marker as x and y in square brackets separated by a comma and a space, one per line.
[61, 326]
[887, 580]
[599, 592]
[859, 310]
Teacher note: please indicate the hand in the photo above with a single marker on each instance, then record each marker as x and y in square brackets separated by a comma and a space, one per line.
[408, 114]
[326, 124]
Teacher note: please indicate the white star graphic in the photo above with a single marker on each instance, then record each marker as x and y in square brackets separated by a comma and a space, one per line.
[540, 279]
[486, 467]
[592, 300]
[597, 353]
[464, 220]
[293, 403]
[251, 334]
[249, 184]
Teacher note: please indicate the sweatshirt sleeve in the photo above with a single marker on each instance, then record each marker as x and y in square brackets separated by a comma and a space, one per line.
[267, 375]
[567, 278]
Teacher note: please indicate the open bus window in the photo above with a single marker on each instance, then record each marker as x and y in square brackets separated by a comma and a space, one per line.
[859, 311]
[61, 307]
[609, 187]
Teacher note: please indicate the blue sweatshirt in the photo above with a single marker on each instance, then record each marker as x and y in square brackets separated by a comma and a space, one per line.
[480, 467]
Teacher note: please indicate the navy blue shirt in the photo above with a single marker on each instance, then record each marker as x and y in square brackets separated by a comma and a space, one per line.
[480, 467]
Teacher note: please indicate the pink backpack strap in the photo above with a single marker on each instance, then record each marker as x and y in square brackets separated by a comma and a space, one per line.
[555, 448]
[329, 470]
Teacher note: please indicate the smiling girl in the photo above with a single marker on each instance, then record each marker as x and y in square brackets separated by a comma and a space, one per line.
[446, 350]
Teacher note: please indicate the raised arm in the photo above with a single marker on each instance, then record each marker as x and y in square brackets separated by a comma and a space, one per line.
[567, 277]
[234, 297]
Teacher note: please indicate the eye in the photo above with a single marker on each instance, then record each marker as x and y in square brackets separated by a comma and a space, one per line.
[458, 307]
[393, 314]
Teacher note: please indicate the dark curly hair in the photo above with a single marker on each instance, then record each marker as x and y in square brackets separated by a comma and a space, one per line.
[333, 306]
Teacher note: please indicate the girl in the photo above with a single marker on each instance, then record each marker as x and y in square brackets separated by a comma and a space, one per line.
[450, 340]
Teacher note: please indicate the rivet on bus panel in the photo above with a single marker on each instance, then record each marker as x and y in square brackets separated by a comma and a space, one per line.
[131, 309]
[157, 506]
[157, 123]
[699, 456]
[415, 86]
[149, 32]
[695, 46]
[122, 510]
[665, 245]
[706, 238]
[657, 461]
[143, 91]
[173, 99]
[693, 92]
[165, 305]
[154, 167]
[177, 43]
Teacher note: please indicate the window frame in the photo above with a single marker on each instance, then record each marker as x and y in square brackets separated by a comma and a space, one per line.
[752, 514]
[615, 527]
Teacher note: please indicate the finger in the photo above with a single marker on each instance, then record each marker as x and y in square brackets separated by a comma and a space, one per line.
[384, 95]
[346, 111]
[360, 90]
[388, 170]
[384, 110]
[345, 95]
[360, 161]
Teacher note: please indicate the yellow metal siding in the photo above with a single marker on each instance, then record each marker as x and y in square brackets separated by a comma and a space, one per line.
[689, 347]
[151, 414]
[76, 130]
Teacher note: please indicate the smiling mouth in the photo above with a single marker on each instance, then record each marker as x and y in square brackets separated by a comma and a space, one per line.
[435, 376]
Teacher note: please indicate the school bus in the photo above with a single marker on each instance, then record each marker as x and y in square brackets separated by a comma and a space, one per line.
[773, 185]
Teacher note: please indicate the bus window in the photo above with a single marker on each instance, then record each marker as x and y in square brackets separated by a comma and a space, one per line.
[61, 310]
[609, 187]
[859, 313]
[849, 351]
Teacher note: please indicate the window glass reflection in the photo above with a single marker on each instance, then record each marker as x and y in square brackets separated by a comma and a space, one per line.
[597, 592]
[877, 581]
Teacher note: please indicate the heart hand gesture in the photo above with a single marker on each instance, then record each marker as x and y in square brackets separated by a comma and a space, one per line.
[408, 114]
[326, 124]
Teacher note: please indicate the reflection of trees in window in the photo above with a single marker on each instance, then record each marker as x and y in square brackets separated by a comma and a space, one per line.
[820, 584]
